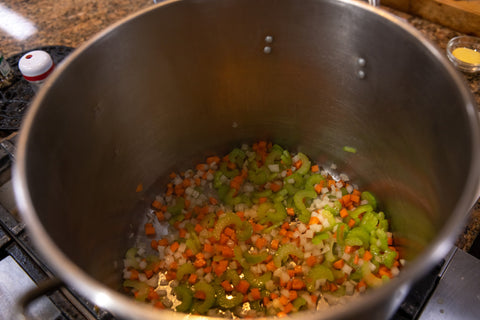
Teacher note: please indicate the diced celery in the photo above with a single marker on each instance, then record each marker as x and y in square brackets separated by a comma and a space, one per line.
[185, 295]
[209, 296]
[284, 252]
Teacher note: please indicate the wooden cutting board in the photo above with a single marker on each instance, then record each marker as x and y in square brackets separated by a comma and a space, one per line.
[460, 15]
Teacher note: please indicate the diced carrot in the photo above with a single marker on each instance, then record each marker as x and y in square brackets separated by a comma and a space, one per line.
[262, 200]
[212, 201]
[207, 247]
[289, 172]
[273, 296]
[281, 314]
[229, 231]
[192, 278]
[154, 244]
[139, 188]
[221, 267]
[283, 300]
[174, 246]
[170, 275]
[227, 285]
[333, 287]
[200, 295]
[255, 292]
[271, 266]
[318, 188]
[172, 175]
[288, 308]
[152, 294]
[275, 187]
[338, 264]
[348, 249]
[160, 216]
[242, 286]
[355, 199]
[266, 301]
[182, 233]
[315, 168]
[361, 284]
[174, 265]
[149, 229]
[351, 223]
[227, 252]
[314, 298]
[311, 261]
[148, 273]
[133, 274]
[389, 241]
[207, 269]
[274, 244]
[297, 284]
[261, 243]
[367, 256]
[163, 242]
[298, 164]
[159, 305]
[257, 227]
[384, 271]
[292, 295]
[291, 273]
[200, 255]
[157, 204]
[291, 212]
[314, 220]
[355, 260]
[343, 213]
[198, 228]
[213, 159]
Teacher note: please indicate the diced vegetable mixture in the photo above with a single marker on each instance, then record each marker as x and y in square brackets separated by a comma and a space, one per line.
[260, 232]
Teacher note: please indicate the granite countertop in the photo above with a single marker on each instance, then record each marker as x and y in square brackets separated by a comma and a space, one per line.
[72, 22]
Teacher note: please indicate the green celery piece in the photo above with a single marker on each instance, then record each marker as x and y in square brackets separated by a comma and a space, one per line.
[228, 219]
[358, 236]
[130, 256]
[209, 220]
[257, 281]
[239, 257]
[259, 176]
[306, 163]
[382, 236]
[330, 218]
[370, 198]
[354, 214]
[286, 158]
[318, 272]
[237, 156]
[388, 257]
[284, 252]
[217, 179]
[369, 221]
[178, 207]
[369, 277]
[222, 191]
[342, 229]
[230, 301]
[244, 231]
[231, 198]
[299, 303]
[232, 276]
[313, 180]
[185, 295]
[203, 286]
[185, 269]
[274, 155]
[255, 258]
[227, 172]
[298, 199]
[141, 287]
[319, 237]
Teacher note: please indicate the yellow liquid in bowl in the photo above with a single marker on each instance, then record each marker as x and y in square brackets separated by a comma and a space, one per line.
[467, 55]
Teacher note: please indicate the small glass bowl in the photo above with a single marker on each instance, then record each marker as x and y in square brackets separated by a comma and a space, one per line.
[468, 42]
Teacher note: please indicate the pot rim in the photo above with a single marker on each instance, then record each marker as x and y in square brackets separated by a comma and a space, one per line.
[121, 305]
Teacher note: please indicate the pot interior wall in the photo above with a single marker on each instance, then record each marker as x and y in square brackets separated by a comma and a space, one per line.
[191, 79]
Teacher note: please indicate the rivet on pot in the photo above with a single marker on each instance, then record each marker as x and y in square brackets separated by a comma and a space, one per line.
[362, 62]
[361, 74]
[267, 49]
[268, 39]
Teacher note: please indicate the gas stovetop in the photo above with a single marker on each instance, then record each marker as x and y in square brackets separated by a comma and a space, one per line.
[451, 290]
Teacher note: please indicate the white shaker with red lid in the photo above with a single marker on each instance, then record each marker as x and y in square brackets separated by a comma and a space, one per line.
[35, 67]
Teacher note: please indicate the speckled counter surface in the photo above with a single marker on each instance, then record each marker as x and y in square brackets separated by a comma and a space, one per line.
[72, 22]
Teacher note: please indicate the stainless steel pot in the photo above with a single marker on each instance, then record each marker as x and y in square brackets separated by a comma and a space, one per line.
[177, 82]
